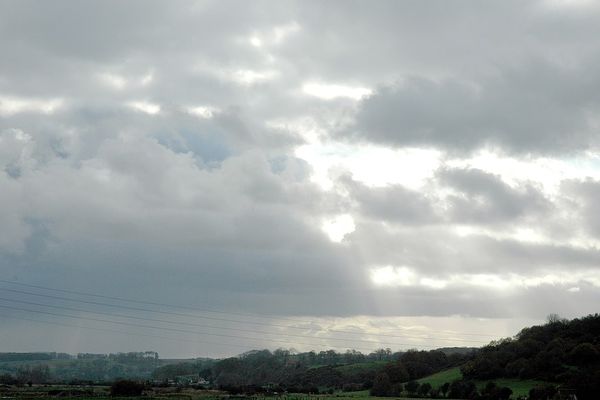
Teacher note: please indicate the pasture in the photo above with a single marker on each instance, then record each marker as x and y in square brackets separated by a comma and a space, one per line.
[519, 387]
[65, 392]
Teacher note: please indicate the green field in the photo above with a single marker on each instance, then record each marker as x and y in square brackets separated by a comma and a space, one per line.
[519, 387]
[439, 378]
[38, 392]
[373, 398]
[361, 367]
[47, 392]
[363, 394]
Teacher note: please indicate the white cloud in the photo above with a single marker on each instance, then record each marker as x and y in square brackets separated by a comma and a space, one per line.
[369, 164]
[393, 276]
[331, 91]
[205, 112]
[144, 106]
[113, 80]
[545, 171]
[282, 32]
[562, 4]
[337, 228]
[251, 77]
[147, 79]
[13, 105]
[255, 41]
[433, 283]
[243, 205]
[274, 36]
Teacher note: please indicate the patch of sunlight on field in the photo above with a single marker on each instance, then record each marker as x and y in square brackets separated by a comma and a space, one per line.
[439, 378]
[519, 387]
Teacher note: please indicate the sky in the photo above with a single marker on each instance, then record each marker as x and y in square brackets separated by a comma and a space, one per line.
[232, 175]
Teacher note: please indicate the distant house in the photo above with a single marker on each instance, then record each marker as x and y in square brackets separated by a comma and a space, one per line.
[91, 356]
[190, 380]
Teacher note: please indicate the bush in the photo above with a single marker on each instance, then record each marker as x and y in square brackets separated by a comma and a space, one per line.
[425, 389]
[126, 388]
[396, 390]
[352, 387]
[7, 379]
[462, 389]
[381, 385]
[412, 387]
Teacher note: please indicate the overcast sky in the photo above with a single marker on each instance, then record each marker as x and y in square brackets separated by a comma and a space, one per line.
[429, 170]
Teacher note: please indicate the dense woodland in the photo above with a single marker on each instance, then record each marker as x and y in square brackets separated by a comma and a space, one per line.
[309, 372]
[561, 353]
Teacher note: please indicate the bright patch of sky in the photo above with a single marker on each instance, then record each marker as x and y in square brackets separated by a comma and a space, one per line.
[10, 105]
[255, 41]
[337, 228]
[369, 164]
[113, 80]
[119, 82]
[328, 91]
[251, 77]
[144, 106]
[402, 276]
[274, 36]
[545, 171]
[147, 79]
[205, 112]
[562, 4]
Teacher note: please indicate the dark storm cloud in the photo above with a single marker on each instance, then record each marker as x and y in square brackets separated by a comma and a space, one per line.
[473, 197]
[585, 194]
[540, 109]
[444, 252]
[393, 203]
[483, 198]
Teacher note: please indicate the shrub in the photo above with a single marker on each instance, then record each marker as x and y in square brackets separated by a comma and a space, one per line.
[381, 385]
[126, 388]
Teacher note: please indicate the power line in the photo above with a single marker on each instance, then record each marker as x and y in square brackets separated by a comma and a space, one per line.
[202, 325]
[252, 315]
[148, 310]
[215, 318]
[194, 332]
[122, 332]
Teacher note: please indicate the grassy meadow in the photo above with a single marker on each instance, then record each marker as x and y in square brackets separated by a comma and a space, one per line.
[519, 387]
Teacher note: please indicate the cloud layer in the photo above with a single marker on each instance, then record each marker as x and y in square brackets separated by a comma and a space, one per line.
[344, 161]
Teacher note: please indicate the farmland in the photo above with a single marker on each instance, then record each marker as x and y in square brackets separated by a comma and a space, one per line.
[519, 387]
[67, 392]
